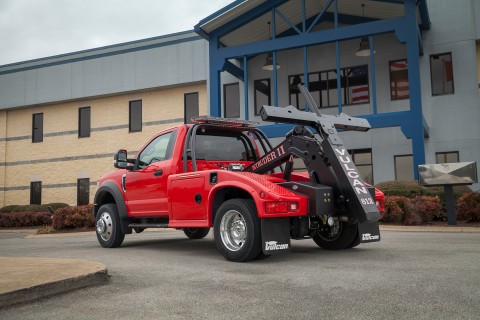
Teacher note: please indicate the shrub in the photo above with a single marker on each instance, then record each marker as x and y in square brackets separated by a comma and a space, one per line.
[400, 209]
[408, 189]
[25, 219]
[10, 208]
[74, 217]
[428, 208]
[57, 205]
[468, 207]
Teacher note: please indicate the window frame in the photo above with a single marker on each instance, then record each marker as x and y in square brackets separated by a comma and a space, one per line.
[225, 100]
[34, 197]
[353, 152]
[81, 133]
[39, 132]
[431, 74]
[390, 79]
[79, 196]
[344, 89]
[131, 106]
[446, 153]
[185, 120]
[257, 110]
[395, 165]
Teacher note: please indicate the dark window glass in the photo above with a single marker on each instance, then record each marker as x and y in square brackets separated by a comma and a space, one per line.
[231, 100]
[447, 157]
[158, 149]
[263, 94]
[224, 145]
[363, 161]
[37, 127]
[191, 106]
[36, 192]
[441, 71]
[399, 88]
[404, 167]
[323, 87]
[135, 116]
[83, 191]
[84, 122]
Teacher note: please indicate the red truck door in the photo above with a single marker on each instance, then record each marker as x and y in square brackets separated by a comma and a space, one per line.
[146, 186]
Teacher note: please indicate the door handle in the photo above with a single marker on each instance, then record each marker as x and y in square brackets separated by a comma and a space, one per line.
[158, 173]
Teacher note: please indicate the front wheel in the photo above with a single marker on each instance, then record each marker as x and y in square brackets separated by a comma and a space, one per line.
[108, 228]
[196, 233]
[237, 230]
[339, 236]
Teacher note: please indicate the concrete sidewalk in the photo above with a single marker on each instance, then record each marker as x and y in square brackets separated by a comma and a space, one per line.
[28, 279]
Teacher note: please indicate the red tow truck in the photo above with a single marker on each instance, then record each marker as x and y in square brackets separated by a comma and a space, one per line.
[225, 174]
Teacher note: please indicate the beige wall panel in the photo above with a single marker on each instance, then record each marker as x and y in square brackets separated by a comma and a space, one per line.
[157, 105]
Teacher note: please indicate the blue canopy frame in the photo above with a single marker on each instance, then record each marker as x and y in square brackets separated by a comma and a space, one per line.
[406, 28]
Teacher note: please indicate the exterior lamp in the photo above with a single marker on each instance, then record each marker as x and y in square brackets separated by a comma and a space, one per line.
[269, 61]
[364, 49]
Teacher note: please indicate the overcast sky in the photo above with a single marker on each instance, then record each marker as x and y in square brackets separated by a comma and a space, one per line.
[31, 29]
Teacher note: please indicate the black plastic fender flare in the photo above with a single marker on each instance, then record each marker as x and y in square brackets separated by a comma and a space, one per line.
[111, 188]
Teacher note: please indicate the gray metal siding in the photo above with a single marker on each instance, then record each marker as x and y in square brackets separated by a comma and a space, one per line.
[166, 61]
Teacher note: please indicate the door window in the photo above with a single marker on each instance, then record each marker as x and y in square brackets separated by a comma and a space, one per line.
[158, 149]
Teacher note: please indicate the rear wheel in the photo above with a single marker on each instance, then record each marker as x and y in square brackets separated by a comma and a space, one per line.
[108, 228]
[237, 230]
[196, 233]
[339, 236]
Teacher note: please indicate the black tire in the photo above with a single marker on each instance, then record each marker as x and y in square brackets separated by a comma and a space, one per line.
[196, 233]
[108, 228]
[355, 242]
[329, 238]
[237, 230]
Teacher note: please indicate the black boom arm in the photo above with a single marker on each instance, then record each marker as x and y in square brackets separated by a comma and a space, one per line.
[327, 160]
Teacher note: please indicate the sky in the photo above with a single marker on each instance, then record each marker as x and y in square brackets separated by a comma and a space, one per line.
[31, 29]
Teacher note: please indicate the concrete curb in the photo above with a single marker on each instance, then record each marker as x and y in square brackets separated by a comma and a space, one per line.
[28, 279]
[445, 229]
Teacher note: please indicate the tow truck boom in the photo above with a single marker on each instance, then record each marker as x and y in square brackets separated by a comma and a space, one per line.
[327, 161]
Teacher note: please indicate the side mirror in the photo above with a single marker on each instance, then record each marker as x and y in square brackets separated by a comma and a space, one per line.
[120, 159]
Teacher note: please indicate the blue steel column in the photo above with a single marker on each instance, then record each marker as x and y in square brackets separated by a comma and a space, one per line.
[214, 78]
[415, 128]
[337, 59]
[372, 71]
[275, 81]
[245, 85]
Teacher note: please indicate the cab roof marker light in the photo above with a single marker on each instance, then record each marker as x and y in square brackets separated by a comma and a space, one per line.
[224, 122]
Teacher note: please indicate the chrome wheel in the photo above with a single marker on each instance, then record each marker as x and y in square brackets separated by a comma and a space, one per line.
[104, 226]
[233, 230]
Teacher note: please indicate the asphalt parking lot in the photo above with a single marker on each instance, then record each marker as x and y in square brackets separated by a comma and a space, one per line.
[164, 275]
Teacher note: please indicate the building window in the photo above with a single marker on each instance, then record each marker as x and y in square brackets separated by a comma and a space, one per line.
[441, 71]
[363, 161]
[135, 116]
[263, 95]
[323, 87]
[231, 100]
[36, 192]
[399, 80]
[84, 122]
[83, 191]
[404, 167]
[37, 127]
[191, 106]
[447, 157]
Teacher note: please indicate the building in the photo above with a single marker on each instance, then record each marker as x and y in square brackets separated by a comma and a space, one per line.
[63, 117]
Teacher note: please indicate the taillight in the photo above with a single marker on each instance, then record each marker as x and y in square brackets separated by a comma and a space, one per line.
[281, 207]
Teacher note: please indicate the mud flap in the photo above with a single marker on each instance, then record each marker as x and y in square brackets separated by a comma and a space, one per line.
[369, 232]
[275, 235]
